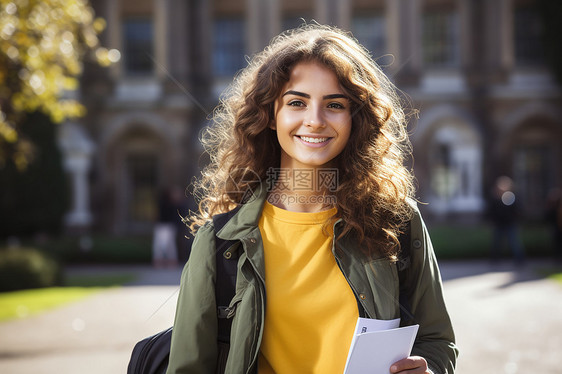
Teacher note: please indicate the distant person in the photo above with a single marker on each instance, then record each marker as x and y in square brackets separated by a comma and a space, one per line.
[504, 214]
[554, 218]
[164, 244]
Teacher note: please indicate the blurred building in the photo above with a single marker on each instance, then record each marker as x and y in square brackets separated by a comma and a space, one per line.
[476, 71]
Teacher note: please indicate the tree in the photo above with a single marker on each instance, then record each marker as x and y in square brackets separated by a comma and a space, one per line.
[42, 44]
[36, 199]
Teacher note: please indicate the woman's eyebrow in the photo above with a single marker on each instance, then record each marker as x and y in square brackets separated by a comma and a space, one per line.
[326, 97]
[297, 93]
[335, 96]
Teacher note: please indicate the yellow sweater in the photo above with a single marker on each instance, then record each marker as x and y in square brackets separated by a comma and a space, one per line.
[311, 310]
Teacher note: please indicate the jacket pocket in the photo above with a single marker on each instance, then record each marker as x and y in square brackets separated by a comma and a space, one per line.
[384, 283]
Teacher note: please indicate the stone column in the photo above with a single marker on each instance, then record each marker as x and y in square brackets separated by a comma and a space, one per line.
[200, 41]
[482, 47]
[404, 30]
[487, 40]
[264, 22]
[161, 42]
[392, 29]
[114, 35]
[77, 150]
[499, 37]
[177, 45]
[333, 12]
[198, 18]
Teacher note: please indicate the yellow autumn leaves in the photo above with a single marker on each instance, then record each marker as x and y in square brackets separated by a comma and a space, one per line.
[42, 45]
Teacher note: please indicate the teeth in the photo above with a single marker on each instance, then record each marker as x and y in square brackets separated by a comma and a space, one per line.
[313, 140]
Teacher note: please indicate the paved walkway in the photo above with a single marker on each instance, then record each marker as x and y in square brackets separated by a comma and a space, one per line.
[506, 320]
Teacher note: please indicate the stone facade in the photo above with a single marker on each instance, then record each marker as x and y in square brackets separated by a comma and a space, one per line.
[487, 103]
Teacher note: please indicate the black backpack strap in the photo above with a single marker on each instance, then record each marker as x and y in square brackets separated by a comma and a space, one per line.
[151, 355]
[227, 267]
[403, 264]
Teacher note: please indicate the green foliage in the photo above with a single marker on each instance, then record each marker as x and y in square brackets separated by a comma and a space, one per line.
[24, 268]
[42, 45]
[34, 200]
[474, 241]
[95, 249]
[101, 249]
[460, 241]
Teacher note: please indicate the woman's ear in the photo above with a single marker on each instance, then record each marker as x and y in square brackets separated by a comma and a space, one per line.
[272, 125]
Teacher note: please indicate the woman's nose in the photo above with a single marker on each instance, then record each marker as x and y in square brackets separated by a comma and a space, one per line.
[314, 118]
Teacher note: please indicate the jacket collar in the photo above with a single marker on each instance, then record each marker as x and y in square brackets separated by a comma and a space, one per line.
[244, 226]
[248, 215]
[246, 220]
[244, 223]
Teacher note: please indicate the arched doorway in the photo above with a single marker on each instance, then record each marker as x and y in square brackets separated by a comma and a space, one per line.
[137, 162]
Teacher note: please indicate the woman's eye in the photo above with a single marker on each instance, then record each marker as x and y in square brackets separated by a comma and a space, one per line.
[335, 106]
[295, 103]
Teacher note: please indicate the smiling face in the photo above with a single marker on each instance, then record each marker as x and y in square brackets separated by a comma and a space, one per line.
[312, 117]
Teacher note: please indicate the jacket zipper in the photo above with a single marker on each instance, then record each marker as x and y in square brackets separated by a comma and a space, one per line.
[261, 283]
[338, 262]
[353, 289]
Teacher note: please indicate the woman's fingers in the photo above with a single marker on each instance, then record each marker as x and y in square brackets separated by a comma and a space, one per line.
[412, 364]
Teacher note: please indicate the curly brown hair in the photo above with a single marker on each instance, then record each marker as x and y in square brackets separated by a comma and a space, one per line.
[374, 184]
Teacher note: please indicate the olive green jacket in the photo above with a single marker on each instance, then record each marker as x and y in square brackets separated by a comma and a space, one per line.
[374, 282]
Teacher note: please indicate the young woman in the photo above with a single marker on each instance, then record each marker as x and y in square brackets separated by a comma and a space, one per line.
[309, 145]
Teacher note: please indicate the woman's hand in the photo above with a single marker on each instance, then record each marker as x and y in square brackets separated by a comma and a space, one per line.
[411, 365]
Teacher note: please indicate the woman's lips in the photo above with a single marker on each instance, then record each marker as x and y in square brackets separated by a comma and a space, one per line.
[313, 141]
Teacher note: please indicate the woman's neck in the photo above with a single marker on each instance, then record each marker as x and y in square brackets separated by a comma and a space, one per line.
[303, 190]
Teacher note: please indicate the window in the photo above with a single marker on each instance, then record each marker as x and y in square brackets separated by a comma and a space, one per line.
[138, 46]
[229, 47]
[440, 38]
[529, 49]
[370, 31]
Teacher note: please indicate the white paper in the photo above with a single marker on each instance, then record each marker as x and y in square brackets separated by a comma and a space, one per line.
[377, 344]
[370, 324]
[364, 325]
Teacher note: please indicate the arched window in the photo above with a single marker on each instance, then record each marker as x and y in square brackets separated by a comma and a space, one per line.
[455, 170]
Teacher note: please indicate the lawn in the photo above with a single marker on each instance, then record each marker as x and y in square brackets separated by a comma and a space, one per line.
[21, 304]
[556, 276]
